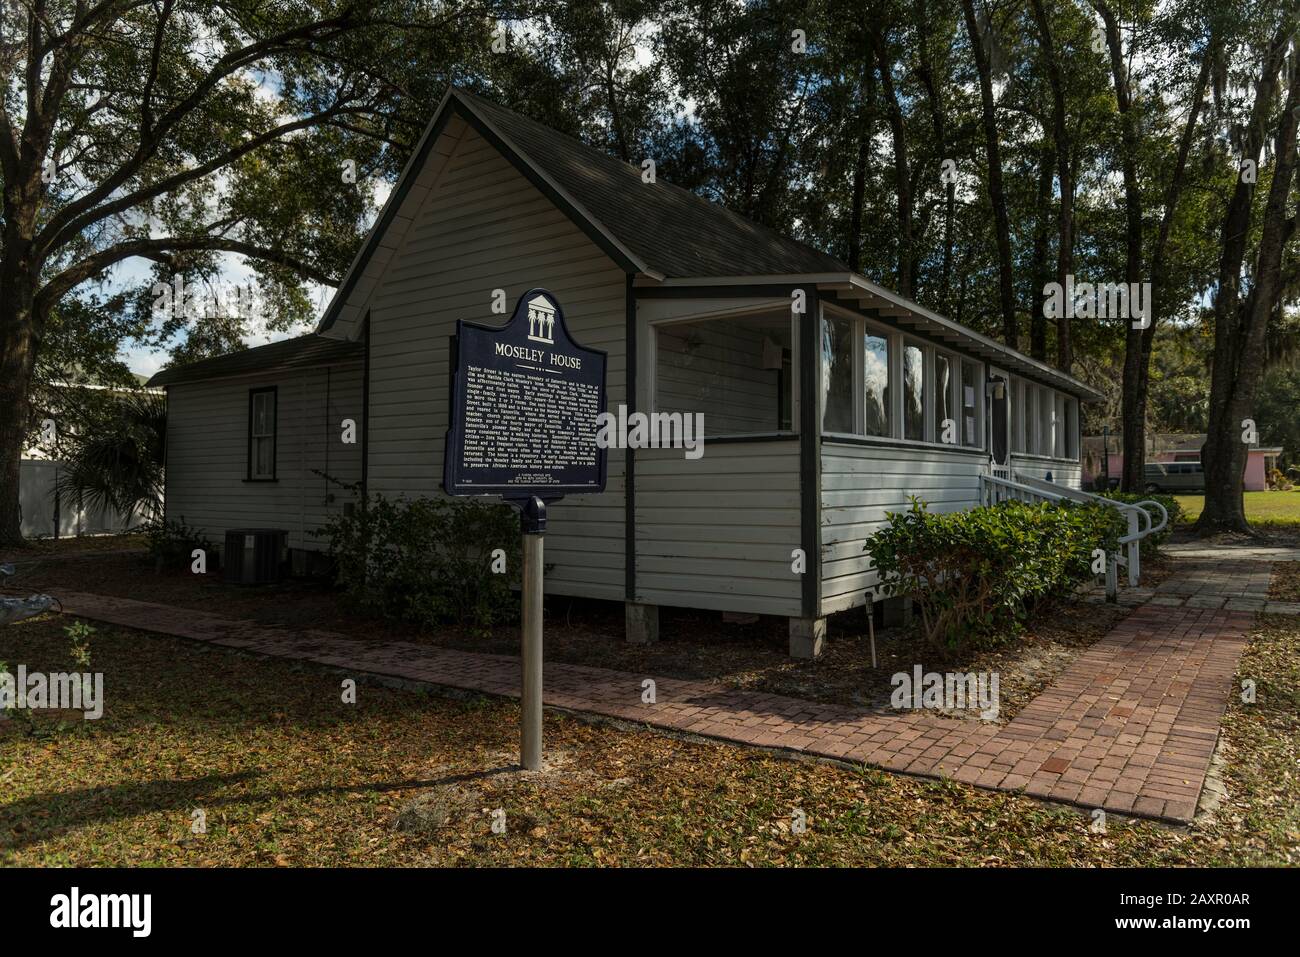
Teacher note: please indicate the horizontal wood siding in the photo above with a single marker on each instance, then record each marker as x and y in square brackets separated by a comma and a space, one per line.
[348, 323]
[718, 532]
[207, 452]
[1064, 472]
[484, 226]
[861, 484]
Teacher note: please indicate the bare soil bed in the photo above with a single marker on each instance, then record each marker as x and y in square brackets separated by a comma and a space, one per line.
[694, 644]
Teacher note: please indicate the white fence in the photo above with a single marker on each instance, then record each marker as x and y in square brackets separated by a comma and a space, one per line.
[46, 515]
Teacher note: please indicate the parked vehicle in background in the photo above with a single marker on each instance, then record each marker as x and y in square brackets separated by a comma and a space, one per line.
[1174, 477]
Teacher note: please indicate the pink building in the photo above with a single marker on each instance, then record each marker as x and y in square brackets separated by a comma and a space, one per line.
[1167, 448]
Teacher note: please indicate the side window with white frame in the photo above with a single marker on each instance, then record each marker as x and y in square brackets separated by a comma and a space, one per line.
[839, 340]
[1045, 414]
[971, 388]
[944, 387]
[913, 391]
[877, 396]
[1072, 428]
[894, 386]
[261, 434]
[1031, 418]
[1017, 414]
[1058, 425]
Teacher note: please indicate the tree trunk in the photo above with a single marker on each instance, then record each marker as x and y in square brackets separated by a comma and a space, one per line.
[1240, 336]
[1039, 269]
[997, 197]
[1133, 405]
[934, 96]
[17, 359]
[902, 175]
[1141, 389]
[1065, 175]
[1223, 453]
[866, 97]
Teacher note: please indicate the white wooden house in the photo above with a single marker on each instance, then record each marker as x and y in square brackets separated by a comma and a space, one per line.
[817, 424]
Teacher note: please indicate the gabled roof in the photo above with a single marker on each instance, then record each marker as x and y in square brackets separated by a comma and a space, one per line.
[308, 350]
[658, 230]
[663, 233]
[669, 229]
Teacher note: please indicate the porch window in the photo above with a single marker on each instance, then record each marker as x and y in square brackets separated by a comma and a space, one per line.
[1071, 428]
[876, 394]
[943, 386]
[970, 392]
[898, 387]
[1017, 415]
[736, 372]
[1034, 424]
[837, 374]
[913, 392]
[1046, 414]
[261, 434]
[1058, 426]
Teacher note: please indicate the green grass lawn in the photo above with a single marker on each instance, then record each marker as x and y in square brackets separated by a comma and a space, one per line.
[1262, 508]
[288, 774]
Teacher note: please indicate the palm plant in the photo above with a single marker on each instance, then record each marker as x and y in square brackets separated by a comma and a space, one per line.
[117, 462]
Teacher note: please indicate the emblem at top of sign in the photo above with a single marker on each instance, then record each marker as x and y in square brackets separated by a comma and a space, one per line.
[541, 320]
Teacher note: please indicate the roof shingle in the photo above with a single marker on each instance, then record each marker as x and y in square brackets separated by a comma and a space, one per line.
[308, 350]
[670, 229]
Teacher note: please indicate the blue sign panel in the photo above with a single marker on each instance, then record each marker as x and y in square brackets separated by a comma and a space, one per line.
[525, 404]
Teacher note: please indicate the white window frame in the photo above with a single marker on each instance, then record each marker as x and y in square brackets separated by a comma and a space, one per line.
[1033, 434]
[927, 353]
[954, 392]
[894, 385]
[1017, 386]
[897, 340]
[1058, 424]
[981, 376]
[271, 395]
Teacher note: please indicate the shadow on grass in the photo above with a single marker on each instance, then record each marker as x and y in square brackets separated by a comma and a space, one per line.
[49, 815]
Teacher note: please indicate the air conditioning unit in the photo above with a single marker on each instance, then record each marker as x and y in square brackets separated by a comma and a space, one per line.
[253, 556]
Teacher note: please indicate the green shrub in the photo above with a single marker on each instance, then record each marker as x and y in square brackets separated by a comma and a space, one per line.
[172, 542]
[79, 634]
[1151, 544]
[974, 576]
[428, 561]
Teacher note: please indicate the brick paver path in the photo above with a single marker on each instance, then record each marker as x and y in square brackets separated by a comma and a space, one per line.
[1129, 726]
[1235, 579]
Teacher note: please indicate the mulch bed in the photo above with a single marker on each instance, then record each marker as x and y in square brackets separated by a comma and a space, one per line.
[694, 644]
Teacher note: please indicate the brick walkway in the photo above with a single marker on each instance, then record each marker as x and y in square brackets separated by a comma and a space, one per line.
[1129, 726]
[1235, 579]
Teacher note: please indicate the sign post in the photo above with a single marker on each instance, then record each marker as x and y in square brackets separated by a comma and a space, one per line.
[532, 518]
[526, 401]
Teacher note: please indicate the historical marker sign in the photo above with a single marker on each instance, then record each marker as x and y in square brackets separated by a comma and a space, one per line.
[525, 403]
[526, 400]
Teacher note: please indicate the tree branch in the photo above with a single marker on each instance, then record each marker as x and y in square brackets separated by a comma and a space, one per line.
[48, 241]
[230, 63]
[158, 250]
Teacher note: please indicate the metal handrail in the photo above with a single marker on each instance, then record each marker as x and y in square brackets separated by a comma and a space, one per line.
[1164, 513]
[1141, 522]
[1136, 536]
[1081, 496]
